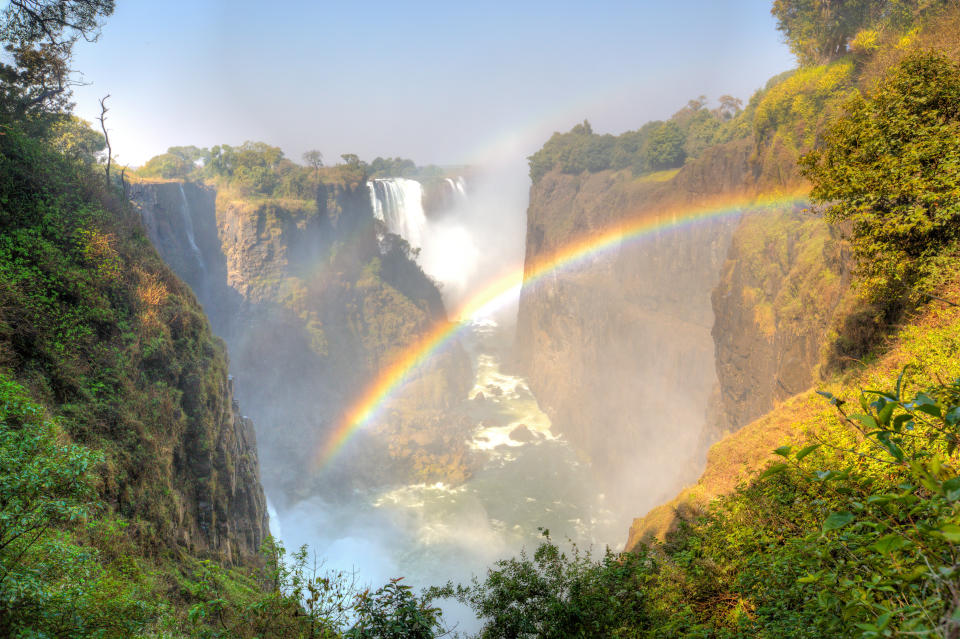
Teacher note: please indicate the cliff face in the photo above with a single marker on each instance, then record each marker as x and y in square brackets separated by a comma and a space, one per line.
[783, 279]
[312, 305]
[684, 334]
[103, 334]
[618, 351]
[227, 512]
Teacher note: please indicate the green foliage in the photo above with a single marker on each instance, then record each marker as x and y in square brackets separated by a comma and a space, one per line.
[853, 535]
[797, 107]
[556, 595]
[38, 36]
[303, 601]
[665, 147]
[891, 166]
[653, 147]
[51, 585]
[818, 32]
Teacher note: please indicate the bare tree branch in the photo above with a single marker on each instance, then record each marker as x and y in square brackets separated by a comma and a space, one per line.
[103, 125]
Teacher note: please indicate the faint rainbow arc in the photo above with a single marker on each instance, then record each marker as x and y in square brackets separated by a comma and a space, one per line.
[504, 287]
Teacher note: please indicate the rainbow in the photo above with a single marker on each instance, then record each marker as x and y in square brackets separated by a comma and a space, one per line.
[507, 287]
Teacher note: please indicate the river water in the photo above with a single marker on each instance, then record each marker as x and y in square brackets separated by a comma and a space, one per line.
[432, 533]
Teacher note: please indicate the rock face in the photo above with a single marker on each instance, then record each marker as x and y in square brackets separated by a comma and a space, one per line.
[646, 354]
[782, 282]
[312, 306]
[230, 516]
[618, 351]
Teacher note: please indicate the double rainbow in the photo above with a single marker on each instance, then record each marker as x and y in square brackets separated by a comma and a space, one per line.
[507, 287]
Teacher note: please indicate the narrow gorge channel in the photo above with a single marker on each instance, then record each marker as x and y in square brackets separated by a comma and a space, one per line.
[462, 465]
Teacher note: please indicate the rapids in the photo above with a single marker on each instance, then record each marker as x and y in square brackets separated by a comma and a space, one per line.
[530, 478]
[432, 533]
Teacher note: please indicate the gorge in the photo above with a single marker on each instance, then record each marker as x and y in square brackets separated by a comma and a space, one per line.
[314, 296]
[699, 378]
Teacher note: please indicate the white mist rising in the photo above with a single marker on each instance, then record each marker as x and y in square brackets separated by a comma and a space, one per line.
[466, 247]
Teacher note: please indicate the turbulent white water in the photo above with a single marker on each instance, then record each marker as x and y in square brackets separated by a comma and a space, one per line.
[432, 533]
[448, 249]
[530, 478]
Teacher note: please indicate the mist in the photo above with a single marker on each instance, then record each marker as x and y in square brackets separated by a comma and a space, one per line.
[535, 414]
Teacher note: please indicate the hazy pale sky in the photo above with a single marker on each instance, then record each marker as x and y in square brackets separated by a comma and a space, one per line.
[440, 82]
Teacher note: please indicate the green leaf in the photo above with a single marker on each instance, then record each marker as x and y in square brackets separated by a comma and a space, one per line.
[951, 489]
[900, 420]
[924, 403]
[866, 420]
[952, 416]
[950, 532]
[773, 470]
[890, 543]
[806, 451]
[884, 415]
[783, 451]
[839, 520]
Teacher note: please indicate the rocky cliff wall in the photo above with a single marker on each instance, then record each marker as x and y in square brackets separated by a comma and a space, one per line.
[618, 351]
[97, 329]
[781, 285]
[312, 305]
[644, 359]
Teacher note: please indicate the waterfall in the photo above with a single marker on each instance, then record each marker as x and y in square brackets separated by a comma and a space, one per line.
[188, 227]
[398, 203]
[458, 187]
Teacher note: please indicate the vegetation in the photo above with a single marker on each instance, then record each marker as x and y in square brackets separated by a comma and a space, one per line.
[822, 31]
[655, 146]
[115, 422]
[256, 169]
[851, 532]
[891, 166]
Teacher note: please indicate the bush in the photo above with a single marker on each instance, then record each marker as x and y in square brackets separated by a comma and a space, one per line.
[891, 166]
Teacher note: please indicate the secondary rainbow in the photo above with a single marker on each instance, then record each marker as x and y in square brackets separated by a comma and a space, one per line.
[505, 288]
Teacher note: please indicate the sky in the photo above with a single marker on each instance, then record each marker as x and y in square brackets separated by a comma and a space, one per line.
[440, 82]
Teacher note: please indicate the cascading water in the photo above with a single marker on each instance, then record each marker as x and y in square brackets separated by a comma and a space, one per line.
[188, 228]
[458, 189]
[398, 203]
[529, 477]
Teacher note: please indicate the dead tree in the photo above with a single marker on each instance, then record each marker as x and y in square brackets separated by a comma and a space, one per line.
[103, 125]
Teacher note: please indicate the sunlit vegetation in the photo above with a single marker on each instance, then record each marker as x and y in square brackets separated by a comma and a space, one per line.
[891, 166]
[656, 146]
[112, 386]
[256, 169]
[822, 31]
[849, 532]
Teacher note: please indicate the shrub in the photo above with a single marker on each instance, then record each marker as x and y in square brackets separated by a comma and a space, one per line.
[891, 166]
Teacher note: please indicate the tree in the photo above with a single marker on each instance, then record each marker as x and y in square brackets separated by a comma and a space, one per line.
[819, 30]
[39, 36]
[74, 138]
[665, 147]
[314, 158]
[351, 159]
[891, 166]
[106, 136]
[729, 108]
[44, 486]
[556, 595]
